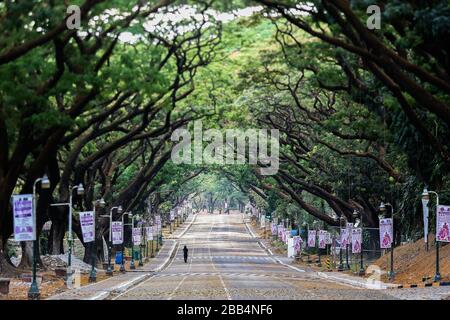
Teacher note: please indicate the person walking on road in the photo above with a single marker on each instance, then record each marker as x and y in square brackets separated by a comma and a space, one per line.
[185, 253]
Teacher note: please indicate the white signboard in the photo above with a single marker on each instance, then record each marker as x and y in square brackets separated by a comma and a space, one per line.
[287, 234]
[262, 222]
[136, 236]
[149, 233]
[117, 232]
[443, 224]
[158, 224]
[425, 220]
[24, 221]
[291, 248]
[87, 226]
[172, 215]
[386, 233]
[356, 240]
[311, 238]
[322, 238]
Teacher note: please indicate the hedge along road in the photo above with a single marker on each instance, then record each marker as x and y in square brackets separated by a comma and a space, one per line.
[226, 262]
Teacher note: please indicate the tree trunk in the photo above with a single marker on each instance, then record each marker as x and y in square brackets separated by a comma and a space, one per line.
[6, 268]
[26, 261]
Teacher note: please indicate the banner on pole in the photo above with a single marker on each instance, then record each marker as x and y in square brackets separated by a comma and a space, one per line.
[280, 231]
[297, 244]
[149, 233]
[273, 227]
[136, 236]
[24, 221]
[345, 238]
[87, 226]
[443, 224]
[386, 233]
[425, 219]
[172, 215]
[117, 232]
[322, 235]
[311, 238]
[356, 240]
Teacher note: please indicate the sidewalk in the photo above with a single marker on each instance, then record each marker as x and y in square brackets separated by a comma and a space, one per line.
[123, 281]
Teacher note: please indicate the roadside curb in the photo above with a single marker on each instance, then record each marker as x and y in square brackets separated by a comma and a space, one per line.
[171, 254]
[186, 228]
[378, 285]
[422, 285]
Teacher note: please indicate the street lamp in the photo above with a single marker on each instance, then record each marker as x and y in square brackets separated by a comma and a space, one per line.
[80, 192]
[122, 265]
[93, 275]
[382, 208]
[316, 224]
[34, 293]
[109, 270]
[341, 266]
[132, 265]
[140, 264]
[426, 199]
[359, 222]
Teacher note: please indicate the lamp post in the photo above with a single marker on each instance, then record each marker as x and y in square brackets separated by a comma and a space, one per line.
[109, 270]
[33, 293]
[80, 192]
[93, 274]
[318, 244]
[382, 208]
[425, 201]
[359, 221]
[122, 264]
[341, 265]
[426, 198]
[132, 265]
[347, 264]
[140, 264]
[151, 242]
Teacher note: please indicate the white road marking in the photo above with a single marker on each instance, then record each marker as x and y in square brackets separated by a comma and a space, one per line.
[212, 262]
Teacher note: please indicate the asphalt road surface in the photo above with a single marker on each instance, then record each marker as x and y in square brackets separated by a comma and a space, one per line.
[225, 262]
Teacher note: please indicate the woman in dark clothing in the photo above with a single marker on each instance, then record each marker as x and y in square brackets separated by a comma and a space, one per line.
[185, 252]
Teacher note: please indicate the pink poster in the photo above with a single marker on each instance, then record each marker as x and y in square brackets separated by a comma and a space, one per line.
[274, 228]
[443, 224]
[344, 237]
[386, 233]
[322, 239]
[311, 238]
[297, 244]
[280, 230]
[356, 240]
